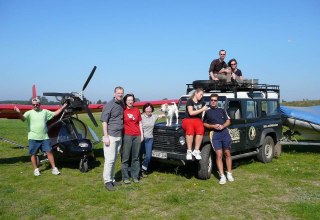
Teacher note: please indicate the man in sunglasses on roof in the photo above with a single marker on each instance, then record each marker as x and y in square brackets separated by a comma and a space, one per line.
[217, 120]
[219, 69]
[38, 132]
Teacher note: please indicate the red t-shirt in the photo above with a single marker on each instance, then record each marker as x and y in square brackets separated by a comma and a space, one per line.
[131, 118]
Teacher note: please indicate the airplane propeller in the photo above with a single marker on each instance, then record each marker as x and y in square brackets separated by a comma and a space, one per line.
[89, 78]
[90, 115]
[76, 100]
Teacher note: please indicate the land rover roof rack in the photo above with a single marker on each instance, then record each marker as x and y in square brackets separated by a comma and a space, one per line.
[218, 86]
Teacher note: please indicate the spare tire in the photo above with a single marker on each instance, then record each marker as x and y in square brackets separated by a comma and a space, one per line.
[204, 84]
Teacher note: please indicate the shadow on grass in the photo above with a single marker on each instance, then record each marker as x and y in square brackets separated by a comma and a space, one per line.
[73, 162]
[243, 161]
[191, 168]
[188, 171]
[13, 160]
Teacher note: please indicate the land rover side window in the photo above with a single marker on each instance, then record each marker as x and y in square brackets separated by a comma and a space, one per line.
[251, 110]
[269, 108]
[221, 103]
[234, 109]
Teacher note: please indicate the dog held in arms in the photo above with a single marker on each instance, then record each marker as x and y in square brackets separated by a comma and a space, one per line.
[169, 111]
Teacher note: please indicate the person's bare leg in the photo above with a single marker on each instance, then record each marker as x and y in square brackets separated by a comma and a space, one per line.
[198, 142]
[228, 160]
[219, 161]
[51, 159]
[34, 161]
[189, 140]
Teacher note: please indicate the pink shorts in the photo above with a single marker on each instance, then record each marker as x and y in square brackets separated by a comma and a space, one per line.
[193, 126]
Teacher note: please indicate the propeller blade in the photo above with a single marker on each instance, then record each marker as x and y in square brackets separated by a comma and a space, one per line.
[89, 78]
[34, 92]
[56, 94]
[91, 115]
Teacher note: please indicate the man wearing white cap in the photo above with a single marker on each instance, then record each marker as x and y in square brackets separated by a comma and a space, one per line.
[38, 132]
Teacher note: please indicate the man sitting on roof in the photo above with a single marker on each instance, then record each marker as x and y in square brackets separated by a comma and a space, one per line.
[219, 69]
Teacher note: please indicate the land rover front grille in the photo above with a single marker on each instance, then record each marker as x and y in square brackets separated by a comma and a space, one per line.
[168, 141]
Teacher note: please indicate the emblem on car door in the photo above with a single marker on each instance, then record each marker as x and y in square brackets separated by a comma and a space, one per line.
[252, 133]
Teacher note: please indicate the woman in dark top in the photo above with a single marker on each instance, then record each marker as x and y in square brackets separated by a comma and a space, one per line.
[236, 73]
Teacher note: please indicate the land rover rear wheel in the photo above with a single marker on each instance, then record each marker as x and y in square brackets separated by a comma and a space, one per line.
[266, 151]
[205, 164]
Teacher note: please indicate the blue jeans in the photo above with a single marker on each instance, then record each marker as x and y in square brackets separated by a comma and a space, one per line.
[35, 145]
[131, 149]
[146, 147]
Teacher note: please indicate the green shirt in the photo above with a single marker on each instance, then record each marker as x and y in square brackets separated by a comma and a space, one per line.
[37, 123]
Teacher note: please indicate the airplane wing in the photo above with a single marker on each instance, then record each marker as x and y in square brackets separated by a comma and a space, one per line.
[156, 103]
[6, 110]
[304, 120]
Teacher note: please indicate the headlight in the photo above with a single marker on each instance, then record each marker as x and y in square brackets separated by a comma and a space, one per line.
[83, 144]
[182, 140]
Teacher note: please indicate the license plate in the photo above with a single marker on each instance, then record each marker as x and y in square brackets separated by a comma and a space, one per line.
[159, 154]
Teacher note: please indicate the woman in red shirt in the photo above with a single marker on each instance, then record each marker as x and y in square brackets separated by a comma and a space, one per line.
[133, 136]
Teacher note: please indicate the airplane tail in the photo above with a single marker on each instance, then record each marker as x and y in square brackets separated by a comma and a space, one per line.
[34, 92]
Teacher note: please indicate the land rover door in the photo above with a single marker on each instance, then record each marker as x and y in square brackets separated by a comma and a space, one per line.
[252, 122]
[237, 128]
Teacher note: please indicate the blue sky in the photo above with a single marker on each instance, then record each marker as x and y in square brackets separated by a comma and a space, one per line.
[153, 48]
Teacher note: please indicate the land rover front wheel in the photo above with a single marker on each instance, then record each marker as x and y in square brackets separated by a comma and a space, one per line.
[266, 151]
[205, 164]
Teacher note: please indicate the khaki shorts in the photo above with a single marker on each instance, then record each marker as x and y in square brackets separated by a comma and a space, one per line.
[222, 76]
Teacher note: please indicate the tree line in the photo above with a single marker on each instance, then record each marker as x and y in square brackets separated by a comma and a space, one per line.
[302, 103]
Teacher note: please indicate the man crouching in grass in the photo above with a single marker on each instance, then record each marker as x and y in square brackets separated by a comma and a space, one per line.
[38, 133]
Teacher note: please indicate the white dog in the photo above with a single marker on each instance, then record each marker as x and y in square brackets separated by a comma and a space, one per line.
[169, 111]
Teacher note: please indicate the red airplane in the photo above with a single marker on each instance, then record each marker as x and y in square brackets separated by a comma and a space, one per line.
[68, 135]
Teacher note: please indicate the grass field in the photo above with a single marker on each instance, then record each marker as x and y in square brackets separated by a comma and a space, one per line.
[286, 188]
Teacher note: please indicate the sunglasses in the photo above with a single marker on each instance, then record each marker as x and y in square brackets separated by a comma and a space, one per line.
[213, 100]
[233, 64]
[36, 104]
[222, 54]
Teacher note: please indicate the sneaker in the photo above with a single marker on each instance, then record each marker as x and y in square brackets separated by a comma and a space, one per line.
[109, 186]
[189, 155]
[55, 171]
[230, 177]
[222, 180]
[126, 181]
[144, 174]
[135, 180]
[36, 172]
[197, 154]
